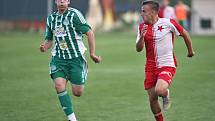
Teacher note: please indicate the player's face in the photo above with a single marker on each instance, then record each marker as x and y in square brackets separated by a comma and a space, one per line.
[147, 13]
[62, 4]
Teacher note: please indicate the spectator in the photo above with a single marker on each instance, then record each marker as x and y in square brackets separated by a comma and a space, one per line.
[94, 15]
[166, 11]
[182, 12]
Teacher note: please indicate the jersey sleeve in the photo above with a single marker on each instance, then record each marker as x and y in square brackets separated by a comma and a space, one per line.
[80, 23]
[176, 28]
[48, 33]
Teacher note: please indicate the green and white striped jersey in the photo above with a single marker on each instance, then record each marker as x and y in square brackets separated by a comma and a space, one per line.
[67, 30]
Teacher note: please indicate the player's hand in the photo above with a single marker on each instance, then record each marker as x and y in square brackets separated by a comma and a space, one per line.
[143, 31]
[42, 48]
[95, 58]
[190, 54]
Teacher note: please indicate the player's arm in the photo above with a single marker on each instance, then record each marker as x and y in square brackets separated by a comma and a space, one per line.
[140, 44]
[46, 45]
[188, 43]
[82, 26]
[179, 30]
[91, 43]
[140, 40]
[48, 37]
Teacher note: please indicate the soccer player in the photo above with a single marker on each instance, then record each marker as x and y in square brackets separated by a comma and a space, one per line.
[67, 26]
[157, 35]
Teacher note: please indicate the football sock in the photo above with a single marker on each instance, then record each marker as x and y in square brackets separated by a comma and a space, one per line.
[159, 117]
[65, 102]
[72, 117]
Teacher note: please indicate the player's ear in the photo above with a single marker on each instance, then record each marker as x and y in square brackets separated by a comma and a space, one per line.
[69, 1]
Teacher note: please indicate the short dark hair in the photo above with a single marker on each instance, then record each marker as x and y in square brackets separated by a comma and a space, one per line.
[154, 4]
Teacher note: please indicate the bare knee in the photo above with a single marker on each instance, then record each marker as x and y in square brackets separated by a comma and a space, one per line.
[152, 95]
[153, 98]
[77, 93]
[77, 90]
[161, 87]
[160, 90]
[60, 85]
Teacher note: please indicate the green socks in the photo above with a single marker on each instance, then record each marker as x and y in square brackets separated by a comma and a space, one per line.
[65, 102]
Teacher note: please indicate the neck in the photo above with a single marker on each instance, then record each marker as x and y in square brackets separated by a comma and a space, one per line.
[61, 11]
[154, 20]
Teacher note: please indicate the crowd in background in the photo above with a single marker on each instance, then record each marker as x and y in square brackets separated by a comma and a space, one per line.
[105, 15]
[102, 14]
[179, 12]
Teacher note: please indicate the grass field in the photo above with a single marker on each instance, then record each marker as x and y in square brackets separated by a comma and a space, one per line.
[114, 91]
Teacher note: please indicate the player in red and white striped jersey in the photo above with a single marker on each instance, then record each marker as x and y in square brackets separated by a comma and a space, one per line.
[157, 35]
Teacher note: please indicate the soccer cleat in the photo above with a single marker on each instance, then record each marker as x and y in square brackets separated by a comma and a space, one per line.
[166, 101]
[72, 120]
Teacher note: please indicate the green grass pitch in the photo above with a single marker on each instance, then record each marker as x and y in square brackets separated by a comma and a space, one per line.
[114, 90]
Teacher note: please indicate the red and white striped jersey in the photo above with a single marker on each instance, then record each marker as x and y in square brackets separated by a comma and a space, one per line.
[159, 40]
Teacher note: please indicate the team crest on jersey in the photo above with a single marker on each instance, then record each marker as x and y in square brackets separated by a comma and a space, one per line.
[60, 32]
[160, 28]
[63, 45]
[66, 22]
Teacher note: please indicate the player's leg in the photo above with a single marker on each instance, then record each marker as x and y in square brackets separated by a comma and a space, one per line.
[149, 85]
[59, 77]
[78, 75]
[164, 80]
[162, 90]
[154, 104]
[77, 90]
[63, 95]
[60, 84]
[161, 87]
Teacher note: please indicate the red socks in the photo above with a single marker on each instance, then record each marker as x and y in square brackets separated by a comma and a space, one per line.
[159, 117]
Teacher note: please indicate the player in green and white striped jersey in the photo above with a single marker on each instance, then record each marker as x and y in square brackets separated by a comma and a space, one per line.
[65, 29]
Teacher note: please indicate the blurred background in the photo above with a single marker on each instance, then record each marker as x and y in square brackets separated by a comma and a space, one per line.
[114, 89]
[105, 15]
